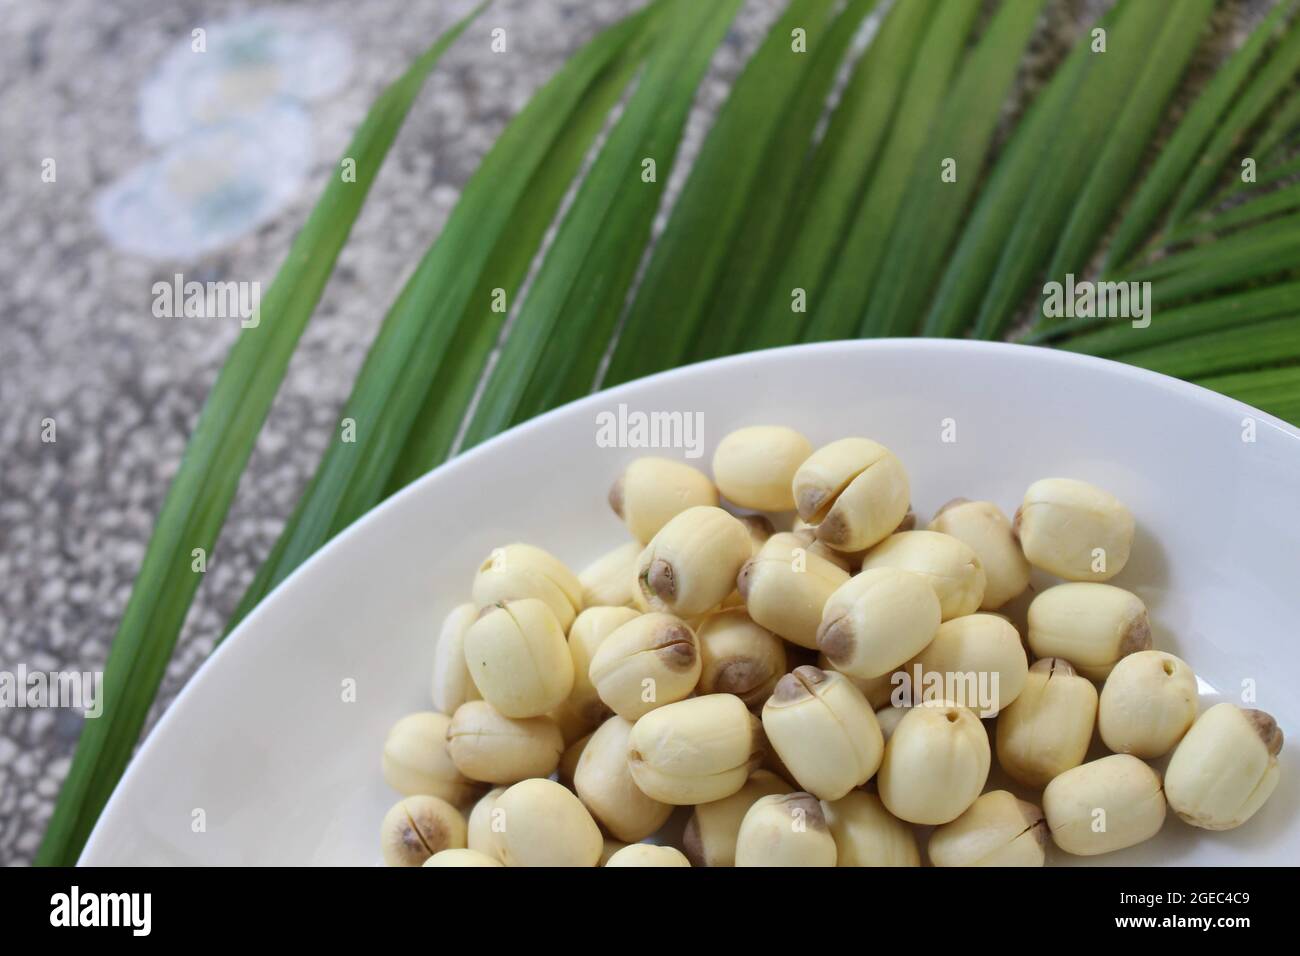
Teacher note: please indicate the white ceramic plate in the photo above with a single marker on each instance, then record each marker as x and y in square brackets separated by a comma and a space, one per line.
[285, 771]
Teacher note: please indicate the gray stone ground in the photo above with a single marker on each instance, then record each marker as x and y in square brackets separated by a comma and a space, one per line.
[78, 342]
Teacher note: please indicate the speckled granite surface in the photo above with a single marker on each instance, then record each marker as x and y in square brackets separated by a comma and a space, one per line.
[79, 344]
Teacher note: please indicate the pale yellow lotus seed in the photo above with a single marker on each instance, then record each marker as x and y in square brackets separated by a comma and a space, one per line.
[739, 657]
[652, 660]
[608, 581]
[519, 658]
[710, 835]
[997, 830]
[1224, 768]
[418, 827]
[1074, 530]
[1105, 805]
[452, 683]
[877, 621]
[755, 467]
[785, 830]
[935, 763]
[988, 532]
[824, 731]
[695, 751]
[589, 631]
[785, 588]
[652, 491]
[647, 854]
[950, 565]
[1047, 729]
[1090, 625]
[1148, 703]
[416, 760]
[976, 660]
[520, 571]
[855, 490]
[543, 824]
[486, 745]
[866, 834]
[690, 566]
[604, 783]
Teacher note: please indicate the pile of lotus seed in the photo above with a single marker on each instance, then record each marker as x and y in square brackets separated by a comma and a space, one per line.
[821, 696]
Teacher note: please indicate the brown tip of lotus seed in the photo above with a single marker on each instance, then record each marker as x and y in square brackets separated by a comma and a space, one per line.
[1267, 728]
[946, 506]
[834, 530]
[660, 579]
[789, 689]
[810, 805]
[740, 676]
[426, 827]
[908, 523]
[485, 611]
[676, 646]
[1015, 524]
[743, 578]
[1053, 666]
[837, 640]
[1137, 637]
[809, 502]
[616, 496]
[693, 843]
[810, 675]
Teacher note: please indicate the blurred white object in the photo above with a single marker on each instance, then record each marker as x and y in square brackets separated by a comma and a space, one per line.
[229, 109]
[247, 63]
[210, 187]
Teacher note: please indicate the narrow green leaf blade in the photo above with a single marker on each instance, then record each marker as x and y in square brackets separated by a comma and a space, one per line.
[1267, 250]
[588, 269]
[842, 239]
[1184, 148]
[1274, 390]
[205, 484]
[450, 298]
[1282, 127]
[1258, 345]
[837, 176]
[932, 209]
[1213, 315]
[1112, 171]
[1084, 129]
[680, 279]
[776, 219]
[985, 233]
[1248, 213]
[1278, 70]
